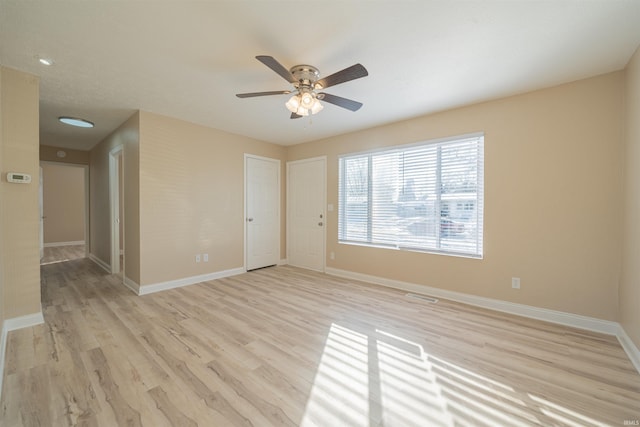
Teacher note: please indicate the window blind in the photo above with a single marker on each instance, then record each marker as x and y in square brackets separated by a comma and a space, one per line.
[425, 197]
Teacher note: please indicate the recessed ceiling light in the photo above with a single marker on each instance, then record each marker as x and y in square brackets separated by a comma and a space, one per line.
[74, 121]
[45, 61]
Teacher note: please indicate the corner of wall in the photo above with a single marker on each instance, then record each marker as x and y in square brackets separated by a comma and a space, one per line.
[12, 325]
[629, 283]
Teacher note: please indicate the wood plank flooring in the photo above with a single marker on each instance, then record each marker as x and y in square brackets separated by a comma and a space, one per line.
[55, 254]
[287, 347]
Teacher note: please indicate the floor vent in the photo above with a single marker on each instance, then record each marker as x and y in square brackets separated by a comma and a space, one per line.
[422, 297]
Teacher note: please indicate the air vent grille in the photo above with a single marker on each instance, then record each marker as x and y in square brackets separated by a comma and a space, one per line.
[422, 297]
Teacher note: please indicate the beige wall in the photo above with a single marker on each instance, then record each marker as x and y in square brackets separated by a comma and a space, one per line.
[630, 281]
[127, 136]
[50, 154]
[552, 212]
[552, 198]
[191, 197]
[63, 197]
[19, 212]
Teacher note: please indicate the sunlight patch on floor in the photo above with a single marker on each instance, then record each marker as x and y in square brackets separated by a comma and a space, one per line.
[410, 395]
[562, 414]
[362, 381]
[341, 388]
[371, 377]
[55, 262]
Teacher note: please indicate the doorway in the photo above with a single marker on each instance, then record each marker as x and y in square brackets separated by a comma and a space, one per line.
[64, 208]
[262, 212]
[306, 216]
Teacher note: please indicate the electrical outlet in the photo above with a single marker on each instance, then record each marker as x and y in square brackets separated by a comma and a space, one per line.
[205, 257]
[198, 258]
[515, 282]
[332, 255]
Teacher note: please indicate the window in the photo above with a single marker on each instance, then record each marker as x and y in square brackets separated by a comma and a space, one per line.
[423, 197]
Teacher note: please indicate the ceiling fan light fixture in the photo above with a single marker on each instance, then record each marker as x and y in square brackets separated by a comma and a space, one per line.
[293, 104]
[306, 83]
[304, 104]
[306, 99]
[316, 107]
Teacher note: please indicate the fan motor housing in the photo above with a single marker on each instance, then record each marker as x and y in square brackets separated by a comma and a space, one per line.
[306, 75]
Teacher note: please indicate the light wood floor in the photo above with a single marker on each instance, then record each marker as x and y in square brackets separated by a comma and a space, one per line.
[286, 347]
[62, 253]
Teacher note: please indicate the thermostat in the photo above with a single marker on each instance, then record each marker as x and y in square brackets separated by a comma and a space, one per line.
[18, 178]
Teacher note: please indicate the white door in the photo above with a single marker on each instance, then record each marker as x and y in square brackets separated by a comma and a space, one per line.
[262, 211]
[306, 216]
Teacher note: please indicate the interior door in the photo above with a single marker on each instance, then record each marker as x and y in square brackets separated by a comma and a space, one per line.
[262, 208]
[306, 220]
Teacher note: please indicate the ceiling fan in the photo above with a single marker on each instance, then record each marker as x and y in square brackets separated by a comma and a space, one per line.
[307, 86]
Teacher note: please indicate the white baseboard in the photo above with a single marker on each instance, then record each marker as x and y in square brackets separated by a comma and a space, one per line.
[11, 325]
[553, 316]
[135, 287]
[560, 317]
[56, 244]
[163, 286]
[629, 347]
[106, 267]
[23, 321]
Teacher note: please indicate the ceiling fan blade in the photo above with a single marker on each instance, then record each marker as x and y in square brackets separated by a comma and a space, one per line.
[271, 62]
[349, 104]
[295, 116]
[253, 94]
[350, 73]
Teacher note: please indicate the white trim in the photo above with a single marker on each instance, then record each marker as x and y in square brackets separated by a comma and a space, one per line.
[135, 287]
[56, 244]
[106, 267]
[553, 316]
[629, 347]
[400, 147]
[186, 281]
[87, 231]
[41, 211]
[116, 158]
[20, 322]
[12, 325]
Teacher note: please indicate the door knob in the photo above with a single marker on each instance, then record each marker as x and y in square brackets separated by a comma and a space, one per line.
[249, 219]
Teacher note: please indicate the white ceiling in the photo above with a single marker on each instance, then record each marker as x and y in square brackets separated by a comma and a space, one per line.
[188, 59]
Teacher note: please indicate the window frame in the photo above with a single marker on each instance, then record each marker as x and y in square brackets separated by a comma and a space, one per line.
[467, 203]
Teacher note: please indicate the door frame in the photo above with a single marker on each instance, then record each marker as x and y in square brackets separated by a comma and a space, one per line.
[41, 207]
[244, 210]
[324, 205]
[114, 207]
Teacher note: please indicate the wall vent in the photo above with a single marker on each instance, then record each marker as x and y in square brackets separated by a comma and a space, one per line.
[422, 297]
